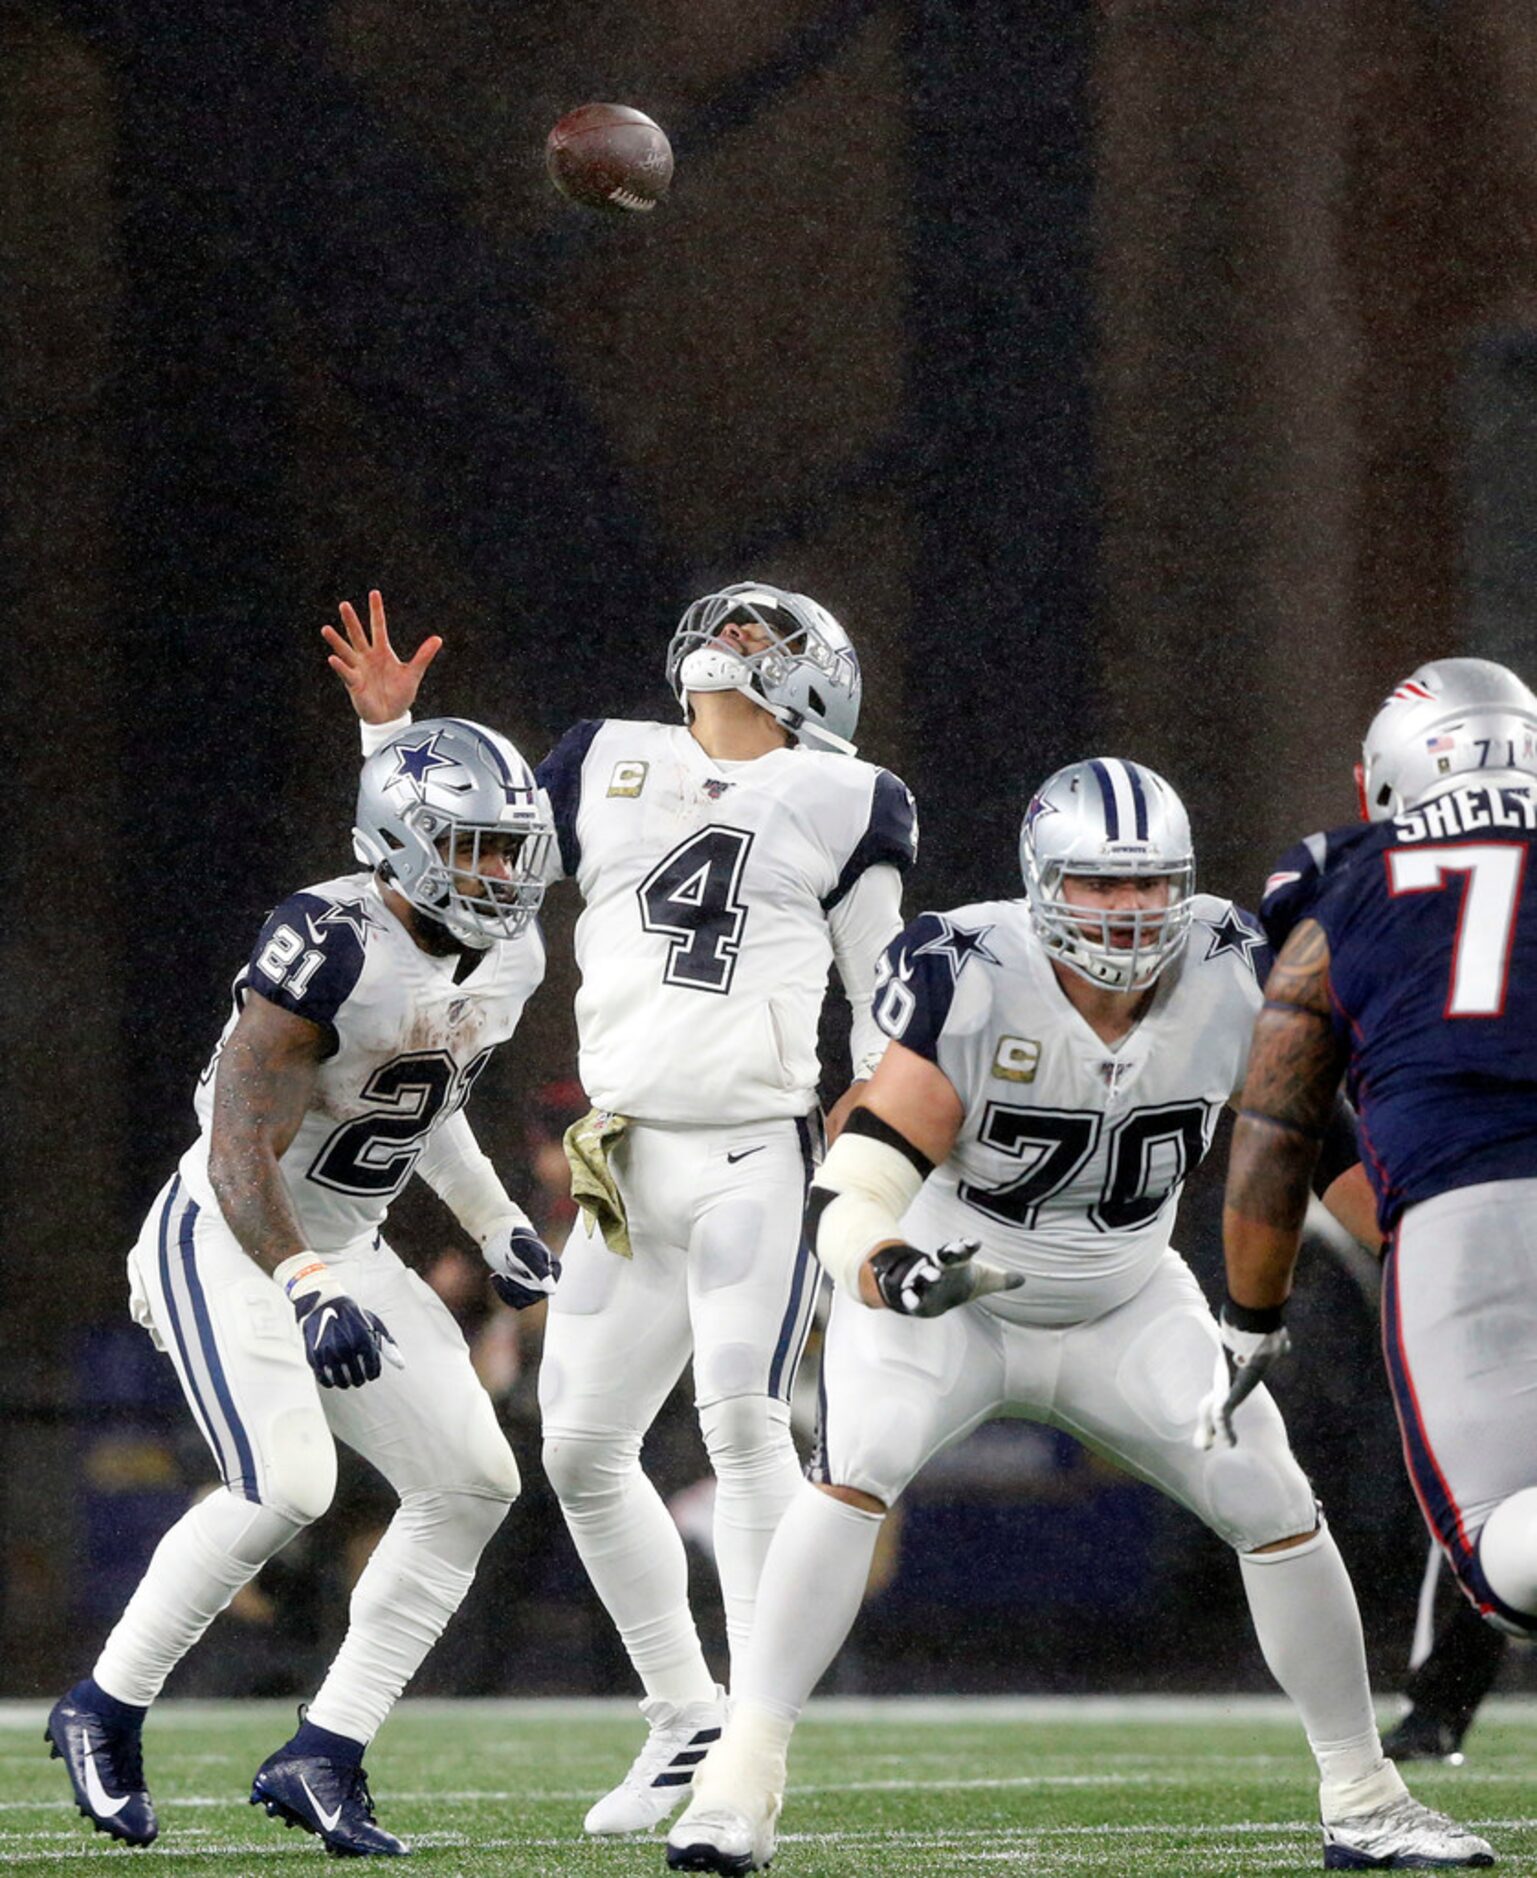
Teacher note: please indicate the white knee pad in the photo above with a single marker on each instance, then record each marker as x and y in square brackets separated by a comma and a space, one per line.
[1256, 1494]
[1507, 1552]
[584, 1467]
[299, 1478]
[744, 1430]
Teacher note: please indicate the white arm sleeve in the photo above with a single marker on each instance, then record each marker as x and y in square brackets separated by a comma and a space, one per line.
[375, 736]
[460, 1173]
[863, 924]
[872, 1184]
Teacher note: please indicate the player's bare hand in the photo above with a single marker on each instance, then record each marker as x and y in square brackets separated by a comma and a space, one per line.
[381, 684]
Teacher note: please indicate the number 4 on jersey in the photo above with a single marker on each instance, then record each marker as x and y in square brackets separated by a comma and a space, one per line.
[693, 899]
[1492, 874]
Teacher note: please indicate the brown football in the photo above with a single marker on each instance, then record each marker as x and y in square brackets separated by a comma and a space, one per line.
[607, 156]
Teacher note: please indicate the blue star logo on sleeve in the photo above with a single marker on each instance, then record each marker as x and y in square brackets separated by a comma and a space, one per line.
[957, 944]
[1230, 934]
[349, 913]
[417, 761]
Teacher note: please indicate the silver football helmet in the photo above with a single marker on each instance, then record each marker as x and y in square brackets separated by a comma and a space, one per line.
[1113, 820]
[432, 803]
[1449, 717]
[807, 676]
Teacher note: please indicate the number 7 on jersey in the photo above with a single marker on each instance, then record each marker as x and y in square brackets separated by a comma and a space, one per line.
[1486, 927]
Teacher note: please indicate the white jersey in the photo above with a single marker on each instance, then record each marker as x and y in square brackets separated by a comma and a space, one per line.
[410, 1033]
[713, 895]
[1070, 1159]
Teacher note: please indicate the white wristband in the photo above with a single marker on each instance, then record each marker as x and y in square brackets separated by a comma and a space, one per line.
[306, 1272]
[512, 1219]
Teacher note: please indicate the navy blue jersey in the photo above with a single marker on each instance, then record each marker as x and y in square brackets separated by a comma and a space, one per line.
[1432, 928]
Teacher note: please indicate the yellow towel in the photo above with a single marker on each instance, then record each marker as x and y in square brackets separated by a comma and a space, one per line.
[588, 1144]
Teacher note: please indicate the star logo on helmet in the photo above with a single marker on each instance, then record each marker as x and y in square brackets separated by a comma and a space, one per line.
[956, 945]
[1230, 934]
[1038, 808]
[349, 913]
[417, 761]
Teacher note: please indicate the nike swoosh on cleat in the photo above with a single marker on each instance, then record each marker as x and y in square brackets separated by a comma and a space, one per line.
[108, 1805]
[328, 1820]
[741, 1154]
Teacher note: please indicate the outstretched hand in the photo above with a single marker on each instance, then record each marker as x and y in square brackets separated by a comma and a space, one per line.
[381, 684]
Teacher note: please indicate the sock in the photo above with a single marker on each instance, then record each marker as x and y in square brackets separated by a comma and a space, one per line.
[757, 1475]
[213, 1549]
[310, 1741]
[1309, 1629]
[634, 1557]
[746, 1767]
[812, 1587]
[401, 1604]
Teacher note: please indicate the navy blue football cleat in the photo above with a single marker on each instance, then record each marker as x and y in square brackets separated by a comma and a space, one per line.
[327, 1797]
[105, 1762]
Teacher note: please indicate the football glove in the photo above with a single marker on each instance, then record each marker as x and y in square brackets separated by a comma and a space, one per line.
[343, 1341]
[1249, 1354]
[524, 1270]
[927, 1284]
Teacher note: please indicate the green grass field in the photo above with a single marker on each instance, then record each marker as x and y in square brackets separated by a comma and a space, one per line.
[881, 1790]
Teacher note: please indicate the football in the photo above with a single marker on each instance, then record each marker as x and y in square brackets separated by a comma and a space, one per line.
[608, 156]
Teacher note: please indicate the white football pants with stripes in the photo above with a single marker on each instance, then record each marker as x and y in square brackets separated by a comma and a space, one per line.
[718, 1271]
[429, 1428]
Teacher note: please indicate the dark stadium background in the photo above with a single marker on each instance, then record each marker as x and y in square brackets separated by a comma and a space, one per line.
[1154, 375]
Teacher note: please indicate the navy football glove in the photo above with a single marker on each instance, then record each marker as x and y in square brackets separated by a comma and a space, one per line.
[342, 1341]
[524, 1270]
[927, 1284]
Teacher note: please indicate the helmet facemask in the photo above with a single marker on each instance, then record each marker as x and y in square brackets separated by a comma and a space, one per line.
[1108, 820]
[806, 677]
[477, 907]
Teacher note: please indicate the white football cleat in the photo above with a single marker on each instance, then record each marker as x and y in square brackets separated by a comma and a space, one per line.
[1401, 1833]
[718, 1838]
[662, 1773]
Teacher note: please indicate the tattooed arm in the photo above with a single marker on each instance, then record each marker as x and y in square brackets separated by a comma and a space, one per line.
[265, 1081]
[1294, 1071]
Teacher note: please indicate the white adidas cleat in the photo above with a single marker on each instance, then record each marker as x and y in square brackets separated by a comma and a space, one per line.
[662, 1773]
[713, 1837]
[1399, 1834]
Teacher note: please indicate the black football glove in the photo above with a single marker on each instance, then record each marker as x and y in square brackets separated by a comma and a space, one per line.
[927, 1284]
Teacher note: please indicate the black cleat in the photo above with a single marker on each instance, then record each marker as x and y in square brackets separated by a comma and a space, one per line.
[1423, 1737]
[328, 1798]
[105, 1763]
